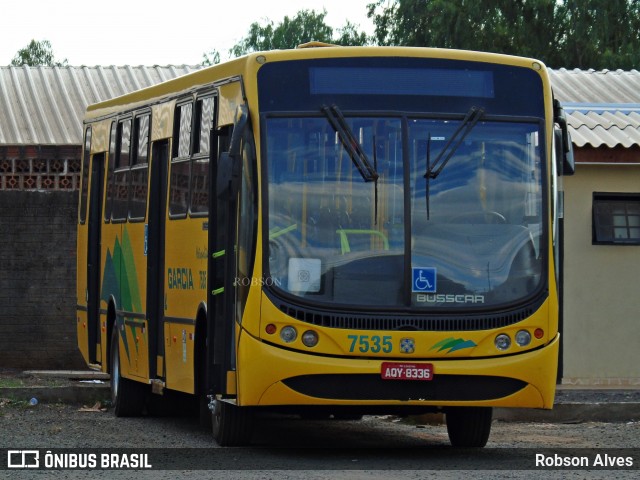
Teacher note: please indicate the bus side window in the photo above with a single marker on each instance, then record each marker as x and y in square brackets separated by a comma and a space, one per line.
[120, 203]
[248, 213]
[110, 166]
[139, 168]
[224, 139]
[85, 175]
[180, 162]
[205, 109]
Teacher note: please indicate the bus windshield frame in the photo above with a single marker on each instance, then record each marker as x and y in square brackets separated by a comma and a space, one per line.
[471, 239]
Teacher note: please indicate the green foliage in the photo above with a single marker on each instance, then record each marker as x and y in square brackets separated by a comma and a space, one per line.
[305, 26]
[349, 35]
[35, 54]
[598, 34]
[211, 58]
[602, 33]
[564, 33]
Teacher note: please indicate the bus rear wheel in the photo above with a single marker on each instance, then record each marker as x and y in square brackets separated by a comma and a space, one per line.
[469, 426]
[127, 397]
[232, 425]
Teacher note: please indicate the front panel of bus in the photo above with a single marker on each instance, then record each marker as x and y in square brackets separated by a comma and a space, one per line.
[405, 236]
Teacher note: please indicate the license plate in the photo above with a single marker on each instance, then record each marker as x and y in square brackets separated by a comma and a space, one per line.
[406, 371]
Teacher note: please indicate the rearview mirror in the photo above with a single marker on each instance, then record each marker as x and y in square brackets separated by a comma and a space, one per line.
[563, 144]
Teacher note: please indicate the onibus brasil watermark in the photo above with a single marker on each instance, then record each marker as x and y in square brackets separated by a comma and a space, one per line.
[227, 459]
[71, 460]
[576, 459]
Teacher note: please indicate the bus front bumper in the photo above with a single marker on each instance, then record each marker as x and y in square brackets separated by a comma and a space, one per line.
[271, 376]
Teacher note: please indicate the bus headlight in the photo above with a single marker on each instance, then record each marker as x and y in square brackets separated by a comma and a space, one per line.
[310, 338]
[288, 334]
[503, 342]
[523, 338]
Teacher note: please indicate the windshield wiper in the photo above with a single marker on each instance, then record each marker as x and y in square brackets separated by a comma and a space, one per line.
[358, 157]
[473, 115]
[433, 170]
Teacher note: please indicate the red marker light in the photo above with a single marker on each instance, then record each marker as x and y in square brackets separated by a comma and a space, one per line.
[539, 333]
[270, 329]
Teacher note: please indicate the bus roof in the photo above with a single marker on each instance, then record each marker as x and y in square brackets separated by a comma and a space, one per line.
[243, 65]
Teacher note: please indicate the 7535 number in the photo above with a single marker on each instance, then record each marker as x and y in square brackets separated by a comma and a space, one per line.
[370, 343]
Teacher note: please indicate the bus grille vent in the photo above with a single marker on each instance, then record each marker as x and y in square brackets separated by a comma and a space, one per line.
[421, 323]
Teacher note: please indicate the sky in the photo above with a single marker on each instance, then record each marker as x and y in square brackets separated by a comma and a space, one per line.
[92, 32]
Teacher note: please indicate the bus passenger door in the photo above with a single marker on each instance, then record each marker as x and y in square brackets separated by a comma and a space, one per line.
[94, 255]
[225, 168]
[155, 253]
[221, 268]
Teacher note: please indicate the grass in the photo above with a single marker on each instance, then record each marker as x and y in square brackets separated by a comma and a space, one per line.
[13, 403]
[11, 382]
[31, 381]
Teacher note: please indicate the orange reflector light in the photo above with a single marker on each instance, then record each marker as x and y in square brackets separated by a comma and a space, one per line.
[539, 333]
[270, 329]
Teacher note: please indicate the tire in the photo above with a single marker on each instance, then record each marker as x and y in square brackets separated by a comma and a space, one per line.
[204, 414]
[232, 425]
[315, 415]
[353, 417]
[200, 375]
[127, 396]
[165, 405]
[469, 426]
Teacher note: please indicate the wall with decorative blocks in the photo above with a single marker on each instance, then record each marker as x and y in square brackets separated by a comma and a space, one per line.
[38, 216]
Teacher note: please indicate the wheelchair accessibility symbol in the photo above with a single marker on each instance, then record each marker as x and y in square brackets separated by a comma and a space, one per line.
[424, 280]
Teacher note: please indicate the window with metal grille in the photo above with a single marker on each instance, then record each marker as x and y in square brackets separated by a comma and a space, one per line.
[616, 218]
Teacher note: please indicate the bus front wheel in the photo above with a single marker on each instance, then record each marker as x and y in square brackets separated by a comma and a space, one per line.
[468, 426]
[127, 396]
[232, 425]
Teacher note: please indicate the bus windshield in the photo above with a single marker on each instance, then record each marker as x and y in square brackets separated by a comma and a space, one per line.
[468, 238]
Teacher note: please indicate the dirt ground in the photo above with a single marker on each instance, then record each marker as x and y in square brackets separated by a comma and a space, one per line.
[379, 443]
[95, 426]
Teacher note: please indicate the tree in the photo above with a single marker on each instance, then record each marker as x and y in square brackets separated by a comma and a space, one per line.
[211, 58]
[562, 33]
[35, 54]
[305, 26]
[349, 35]
[505, 26]
[602, 33]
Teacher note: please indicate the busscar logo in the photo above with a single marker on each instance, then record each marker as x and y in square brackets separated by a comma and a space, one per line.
[23, 459]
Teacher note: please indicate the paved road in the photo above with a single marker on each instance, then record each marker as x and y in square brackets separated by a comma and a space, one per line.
[287, 447]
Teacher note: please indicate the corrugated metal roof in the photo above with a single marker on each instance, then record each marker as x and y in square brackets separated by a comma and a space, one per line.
[603, 107]
[609, 129]
[45, 105]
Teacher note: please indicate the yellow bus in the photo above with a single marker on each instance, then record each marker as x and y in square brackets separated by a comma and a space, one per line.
[330, 231]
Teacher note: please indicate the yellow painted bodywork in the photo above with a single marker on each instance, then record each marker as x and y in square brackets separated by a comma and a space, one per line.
[336, 341]
[262, 362]
[99, 144]
[268, 366]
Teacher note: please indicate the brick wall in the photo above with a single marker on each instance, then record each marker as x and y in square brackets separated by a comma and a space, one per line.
[39, 168]
[38, 263]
